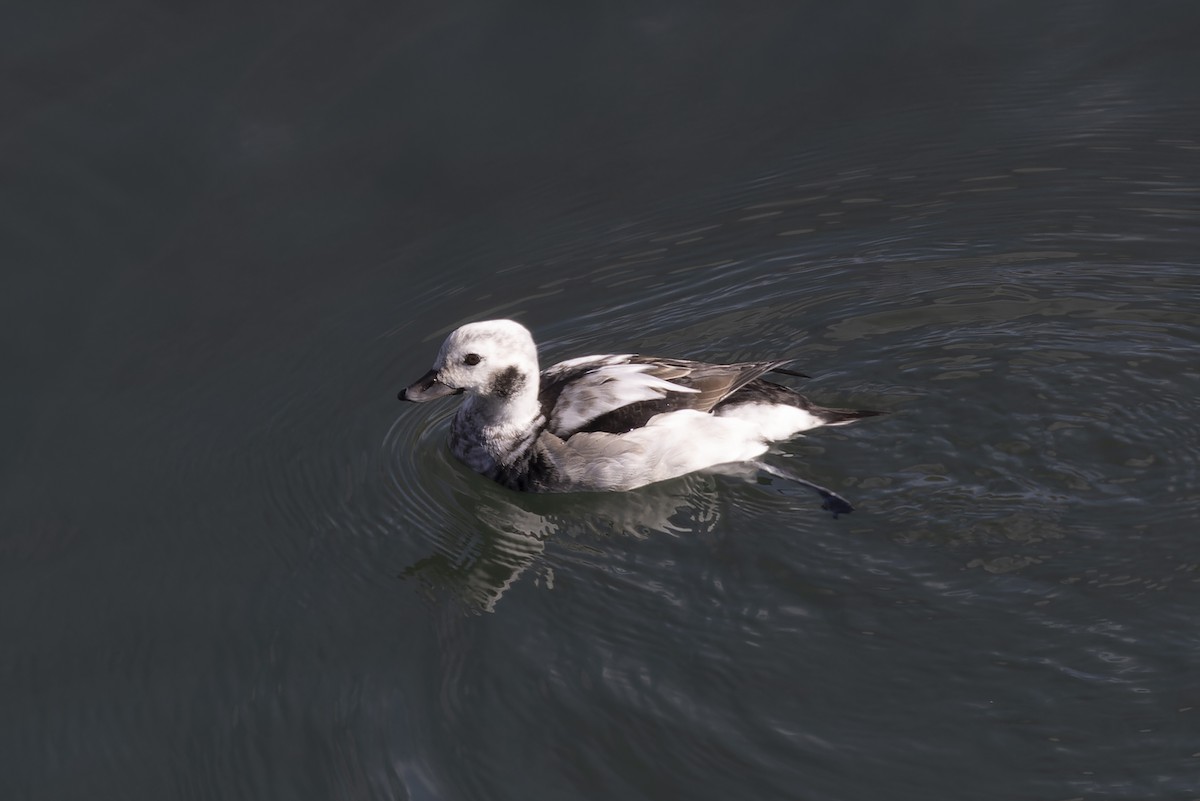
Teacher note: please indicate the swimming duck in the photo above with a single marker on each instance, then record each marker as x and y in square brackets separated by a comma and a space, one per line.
[610, 422]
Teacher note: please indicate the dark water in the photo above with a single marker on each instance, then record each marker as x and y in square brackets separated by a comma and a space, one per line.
[233, 566]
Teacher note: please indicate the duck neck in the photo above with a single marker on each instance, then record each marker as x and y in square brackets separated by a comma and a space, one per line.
[518, 411]
[505, 425]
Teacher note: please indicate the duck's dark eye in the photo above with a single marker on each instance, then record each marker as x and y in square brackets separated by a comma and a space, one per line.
[472, 359]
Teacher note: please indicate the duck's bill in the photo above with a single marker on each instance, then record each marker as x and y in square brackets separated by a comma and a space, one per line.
[427, 388]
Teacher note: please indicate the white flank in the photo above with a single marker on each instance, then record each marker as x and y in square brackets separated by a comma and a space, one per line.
[774, 421]
[668, 446]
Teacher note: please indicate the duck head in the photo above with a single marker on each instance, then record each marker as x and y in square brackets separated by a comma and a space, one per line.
[493, 359]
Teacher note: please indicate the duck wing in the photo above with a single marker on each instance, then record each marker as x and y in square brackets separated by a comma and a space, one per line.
[618, 393]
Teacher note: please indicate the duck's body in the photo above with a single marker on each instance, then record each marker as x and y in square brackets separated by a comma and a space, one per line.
[609, 422]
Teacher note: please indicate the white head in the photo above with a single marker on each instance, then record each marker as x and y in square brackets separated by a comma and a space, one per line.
[494, 360]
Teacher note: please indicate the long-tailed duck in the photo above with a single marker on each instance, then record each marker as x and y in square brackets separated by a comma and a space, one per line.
[610, 422]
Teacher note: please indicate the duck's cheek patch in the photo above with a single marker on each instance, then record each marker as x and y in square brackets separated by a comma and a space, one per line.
[508, 382]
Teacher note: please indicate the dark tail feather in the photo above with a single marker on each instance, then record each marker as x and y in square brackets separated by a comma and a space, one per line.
[840, 417]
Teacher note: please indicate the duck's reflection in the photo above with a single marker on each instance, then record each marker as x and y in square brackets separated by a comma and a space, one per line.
[501, 535]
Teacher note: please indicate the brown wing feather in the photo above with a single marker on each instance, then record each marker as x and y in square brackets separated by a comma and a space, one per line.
[714, 383]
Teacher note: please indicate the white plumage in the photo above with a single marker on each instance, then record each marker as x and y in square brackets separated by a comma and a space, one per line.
[607, 422]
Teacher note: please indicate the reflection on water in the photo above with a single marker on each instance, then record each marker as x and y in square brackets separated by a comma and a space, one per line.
[479, 564]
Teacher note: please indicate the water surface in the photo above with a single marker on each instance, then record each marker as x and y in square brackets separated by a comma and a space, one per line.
[233, 566]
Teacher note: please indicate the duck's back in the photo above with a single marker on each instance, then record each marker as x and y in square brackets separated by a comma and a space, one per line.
[620, 393]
